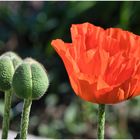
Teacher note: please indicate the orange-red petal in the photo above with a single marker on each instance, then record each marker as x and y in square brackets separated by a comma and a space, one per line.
[103, 65]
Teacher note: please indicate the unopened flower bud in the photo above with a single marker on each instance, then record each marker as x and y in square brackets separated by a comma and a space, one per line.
[8, 63]
[30, 80]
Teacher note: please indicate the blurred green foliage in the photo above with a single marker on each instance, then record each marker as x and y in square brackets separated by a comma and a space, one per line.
[28, 28]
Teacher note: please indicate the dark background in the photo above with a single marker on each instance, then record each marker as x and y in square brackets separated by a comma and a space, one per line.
[27, 28]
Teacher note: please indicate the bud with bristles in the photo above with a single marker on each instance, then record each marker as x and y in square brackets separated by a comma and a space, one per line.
[8, 63]
[30, 80]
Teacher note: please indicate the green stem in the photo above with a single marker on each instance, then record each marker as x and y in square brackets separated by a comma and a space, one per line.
[101, 121]
[25, 118]
[6, 117]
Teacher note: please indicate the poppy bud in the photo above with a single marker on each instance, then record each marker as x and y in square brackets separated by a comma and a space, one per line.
[30, 80]
[8, 63]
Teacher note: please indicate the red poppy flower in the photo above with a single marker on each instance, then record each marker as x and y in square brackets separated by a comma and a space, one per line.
[103, 65]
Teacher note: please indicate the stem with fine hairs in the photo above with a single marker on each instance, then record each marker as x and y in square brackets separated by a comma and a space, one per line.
[6, 117]
[25, 118]
[101, 121]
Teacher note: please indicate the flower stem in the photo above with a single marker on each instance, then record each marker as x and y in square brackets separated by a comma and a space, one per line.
[101, 121]
[25, 118]
[6, 117]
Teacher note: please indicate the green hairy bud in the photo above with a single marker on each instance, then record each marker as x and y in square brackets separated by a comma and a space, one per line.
[8, 62]
[30, 80]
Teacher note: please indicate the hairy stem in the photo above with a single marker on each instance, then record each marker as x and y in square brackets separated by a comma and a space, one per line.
[101, 121]
[6, 117]
[25, 118]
